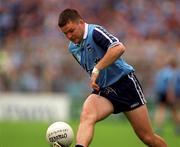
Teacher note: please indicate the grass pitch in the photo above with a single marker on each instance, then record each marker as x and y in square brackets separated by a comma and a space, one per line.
[116, 133]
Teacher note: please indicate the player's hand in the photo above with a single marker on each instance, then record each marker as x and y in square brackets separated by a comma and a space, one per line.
[94, 76]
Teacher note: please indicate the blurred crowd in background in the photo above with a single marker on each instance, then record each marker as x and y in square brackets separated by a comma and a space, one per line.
[34, 56]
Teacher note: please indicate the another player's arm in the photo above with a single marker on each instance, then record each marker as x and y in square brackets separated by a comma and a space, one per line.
[170, 91]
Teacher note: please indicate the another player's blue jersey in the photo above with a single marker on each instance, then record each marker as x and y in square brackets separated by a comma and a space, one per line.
[96, 41]
[163, 80]
[177, 82]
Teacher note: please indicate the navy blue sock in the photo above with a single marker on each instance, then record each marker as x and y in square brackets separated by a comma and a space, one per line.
[78, 145]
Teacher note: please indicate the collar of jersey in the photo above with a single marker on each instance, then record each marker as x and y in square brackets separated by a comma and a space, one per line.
[85, 31]
[84, 36]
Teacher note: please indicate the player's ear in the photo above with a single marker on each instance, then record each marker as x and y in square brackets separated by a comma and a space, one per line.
[81, 21]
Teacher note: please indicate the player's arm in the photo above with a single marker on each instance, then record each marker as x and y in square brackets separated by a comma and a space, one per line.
[114, 49]
[111, 56]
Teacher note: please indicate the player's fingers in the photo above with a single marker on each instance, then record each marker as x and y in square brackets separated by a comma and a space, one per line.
[93, 81]
[95, 86]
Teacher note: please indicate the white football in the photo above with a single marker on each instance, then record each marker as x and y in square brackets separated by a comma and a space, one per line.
[61, 133]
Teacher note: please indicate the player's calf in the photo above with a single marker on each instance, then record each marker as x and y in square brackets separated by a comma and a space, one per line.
[153, 140]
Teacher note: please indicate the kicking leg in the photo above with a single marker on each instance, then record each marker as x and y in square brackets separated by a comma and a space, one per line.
[94, 109]
[140, 122]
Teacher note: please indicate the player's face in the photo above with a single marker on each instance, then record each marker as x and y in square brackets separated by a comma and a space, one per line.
[74, 31]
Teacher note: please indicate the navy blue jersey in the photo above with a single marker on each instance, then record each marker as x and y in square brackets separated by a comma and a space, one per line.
[96, 42]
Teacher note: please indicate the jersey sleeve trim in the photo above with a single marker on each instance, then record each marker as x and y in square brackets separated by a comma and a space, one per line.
[104, 39]
[115, 44]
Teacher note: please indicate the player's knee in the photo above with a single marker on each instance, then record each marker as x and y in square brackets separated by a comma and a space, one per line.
[87, 116]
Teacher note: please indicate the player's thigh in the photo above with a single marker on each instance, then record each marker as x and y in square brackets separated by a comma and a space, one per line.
[139, 120]
[97, 106]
